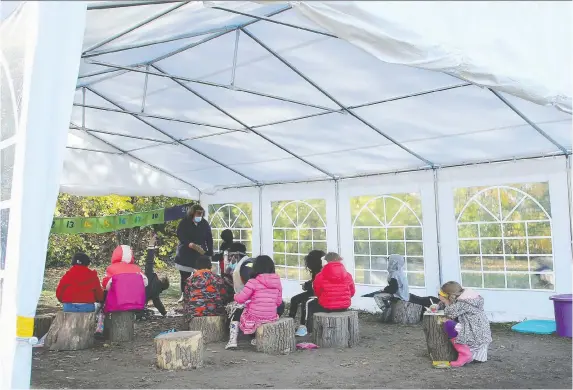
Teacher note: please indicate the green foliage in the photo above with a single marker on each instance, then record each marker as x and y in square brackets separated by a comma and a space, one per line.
[99, 247]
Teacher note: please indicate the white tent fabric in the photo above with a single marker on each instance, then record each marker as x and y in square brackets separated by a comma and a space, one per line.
[184, 98]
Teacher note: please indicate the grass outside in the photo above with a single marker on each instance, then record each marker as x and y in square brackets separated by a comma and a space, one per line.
[49, 303]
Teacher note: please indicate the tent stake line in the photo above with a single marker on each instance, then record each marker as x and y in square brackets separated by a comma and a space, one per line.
[121, 4]
[356, 116]
[246, 126]
[230, 87]
[135, 115]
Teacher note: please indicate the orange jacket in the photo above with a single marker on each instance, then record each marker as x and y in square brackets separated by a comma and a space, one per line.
[122, 262]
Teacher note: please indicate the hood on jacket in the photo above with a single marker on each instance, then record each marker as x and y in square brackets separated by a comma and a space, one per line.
[122, 254]
[471, 298]
[270, 280]
[334, 271]
[395, 263]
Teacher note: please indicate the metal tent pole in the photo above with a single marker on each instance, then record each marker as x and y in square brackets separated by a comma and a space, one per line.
[337, 200]
[437, 221]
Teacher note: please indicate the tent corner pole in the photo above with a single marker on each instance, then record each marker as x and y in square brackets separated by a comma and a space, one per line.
[437, 222]
[337, 201]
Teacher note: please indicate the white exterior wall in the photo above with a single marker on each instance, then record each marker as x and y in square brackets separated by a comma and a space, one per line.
[501, 304]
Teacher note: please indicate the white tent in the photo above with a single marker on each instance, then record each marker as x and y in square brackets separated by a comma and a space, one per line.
[438, 130]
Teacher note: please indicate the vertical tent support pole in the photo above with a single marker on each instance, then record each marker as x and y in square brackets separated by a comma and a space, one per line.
[235, 54]
[144, 89]
[50, 77]
[570, 198]
[337, 200]
[437, 211]
[261, 236]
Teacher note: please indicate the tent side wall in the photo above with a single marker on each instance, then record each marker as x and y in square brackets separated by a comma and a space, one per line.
[503, 229]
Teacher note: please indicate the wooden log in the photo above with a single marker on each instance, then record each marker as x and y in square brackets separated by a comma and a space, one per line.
[179, 350]
[119, 326]
[42, 324]
[71, 332]
[338, 330]
[405, 313]
[276, 338]
[213, 328]
[439, 347]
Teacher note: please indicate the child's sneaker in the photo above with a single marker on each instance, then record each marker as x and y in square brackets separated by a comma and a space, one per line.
[301, 331]
[254, 342]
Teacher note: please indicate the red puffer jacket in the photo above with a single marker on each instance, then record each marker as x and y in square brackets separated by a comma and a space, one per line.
[79, 285]
[334, 287]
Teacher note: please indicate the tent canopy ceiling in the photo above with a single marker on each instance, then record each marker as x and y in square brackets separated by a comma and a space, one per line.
[179, 97]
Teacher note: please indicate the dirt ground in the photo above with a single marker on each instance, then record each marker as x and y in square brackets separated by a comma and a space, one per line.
[388, 356]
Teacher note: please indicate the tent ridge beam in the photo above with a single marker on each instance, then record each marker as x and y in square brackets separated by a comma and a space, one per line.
[341, 111]
[134, 27]
[214, 105]
[267, 19]
[148, 115]
[158, 41]
[529, 121]
[135, 115]
[123, 4]
[192, 45]
[230, 87]
[407, 170]
[356, 116]
[140, 160]
[93, 150]
[89, 130]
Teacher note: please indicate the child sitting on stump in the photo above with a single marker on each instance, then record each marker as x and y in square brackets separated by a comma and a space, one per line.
[333, 288]
[470, 333]
[79, 289]
[204, 292]
[313, 262]
[262, 300]
[398, 288]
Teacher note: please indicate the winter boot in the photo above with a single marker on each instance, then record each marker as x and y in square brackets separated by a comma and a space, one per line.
[233, 334]
[464, 354]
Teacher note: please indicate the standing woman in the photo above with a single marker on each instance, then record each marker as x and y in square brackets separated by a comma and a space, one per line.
[195, 239]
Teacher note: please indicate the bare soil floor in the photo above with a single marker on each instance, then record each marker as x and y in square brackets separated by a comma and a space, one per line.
[388, 356]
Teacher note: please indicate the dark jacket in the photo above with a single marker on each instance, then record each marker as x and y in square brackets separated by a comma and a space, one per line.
[189, 232]
[307, 286]
[154, 286]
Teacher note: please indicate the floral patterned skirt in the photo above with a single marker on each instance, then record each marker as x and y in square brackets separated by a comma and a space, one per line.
[249, 323]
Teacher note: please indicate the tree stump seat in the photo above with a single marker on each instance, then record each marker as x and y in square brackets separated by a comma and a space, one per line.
[71, 332]
[276, 338]
[42, 323]
[336, 330]
[179, 350]
[119, 326]
[439, 347]
[213, 328]
[405, 313]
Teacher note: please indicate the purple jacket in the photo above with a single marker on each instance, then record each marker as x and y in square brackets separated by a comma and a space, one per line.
[127, 292]
[262, 296]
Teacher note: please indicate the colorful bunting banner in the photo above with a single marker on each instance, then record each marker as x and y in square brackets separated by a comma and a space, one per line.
[112, 223]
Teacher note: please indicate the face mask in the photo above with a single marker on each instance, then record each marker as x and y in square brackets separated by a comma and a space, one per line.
[197, 219]
[232, 266]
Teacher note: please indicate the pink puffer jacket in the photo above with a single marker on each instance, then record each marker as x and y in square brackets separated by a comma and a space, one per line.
[262, 296]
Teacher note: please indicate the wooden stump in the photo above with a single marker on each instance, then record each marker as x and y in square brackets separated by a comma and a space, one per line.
[405, 313]
[179, 350]
[276, 338]
[42, 324]
[213, 328]
[339, 330]
[118, 326]
[439, 347]
[71, 332]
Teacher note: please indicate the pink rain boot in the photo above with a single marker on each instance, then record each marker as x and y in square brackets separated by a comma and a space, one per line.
[464, 354]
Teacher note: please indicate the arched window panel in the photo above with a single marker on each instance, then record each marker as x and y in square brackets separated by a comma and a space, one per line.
[385, 225]
[234, 216]
[299, 226]
[505, 236]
